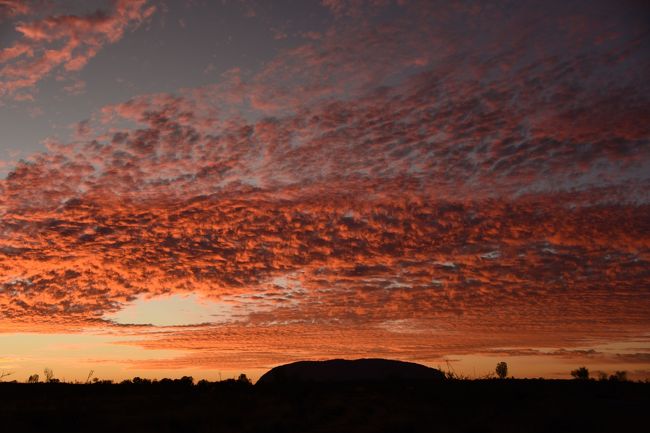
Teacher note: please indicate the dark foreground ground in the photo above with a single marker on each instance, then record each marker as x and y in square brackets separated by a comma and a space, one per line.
[450, 406]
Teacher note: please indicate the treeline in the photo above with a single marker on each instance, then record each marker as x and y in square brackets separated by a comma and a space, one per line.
[501, 372]
[48, 377]
[582, 373]
[233, 405]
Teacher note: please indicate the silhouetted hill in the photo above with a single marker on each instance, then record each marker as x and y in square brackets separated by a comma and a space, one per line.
[342, 370]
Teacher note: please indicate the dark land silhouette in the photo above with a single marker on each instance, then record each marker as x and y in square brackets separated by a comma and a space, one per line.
[343, 370]
[331, 396]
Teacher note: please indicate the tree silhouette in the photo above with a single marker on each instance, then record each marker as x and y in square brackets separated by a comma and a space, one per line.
[140, 381]
[619, 376]
[185, 381]
[33, 378]
[581, 373]
[502, 370]
[244, 379]
[49, 374]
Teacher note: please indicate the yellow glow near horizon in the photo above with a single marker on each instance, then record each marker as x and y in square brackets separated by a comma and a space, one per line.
[73, 356]
[173, 310]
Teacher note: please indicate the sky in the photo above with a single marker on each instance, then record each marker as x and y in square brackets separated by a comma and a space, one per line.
[213, 187]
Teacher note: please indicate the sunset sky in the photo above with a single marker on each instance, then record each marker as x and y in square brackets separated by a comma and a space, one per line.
[209, 187]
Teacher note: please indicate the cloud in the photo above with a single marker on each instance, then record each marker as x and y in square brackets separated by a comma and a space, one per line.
[77, 88]
[61, 43]
[356, 8]
[12, 8]
[485, 197]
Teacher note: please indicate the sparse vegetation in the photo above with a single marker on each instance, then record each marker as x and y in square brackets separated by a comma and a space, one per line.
[502, 370]
[235, 405]
[581, 373]
[244, 379]
[619, 376]
[450, 373]
[49, 375]
[169, 405]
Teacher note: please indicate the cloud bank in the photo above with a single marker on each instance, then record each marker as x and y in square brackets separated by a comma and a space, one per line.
[399, 186]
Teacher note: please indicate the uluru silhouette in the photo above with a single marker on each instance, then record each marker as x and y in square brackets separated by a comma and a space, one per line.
[342, 370]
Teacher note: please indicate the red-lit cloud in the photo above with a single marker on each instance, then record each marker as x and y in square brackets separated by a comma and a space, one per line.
[12, 8]
[59, 43]
[372, 187]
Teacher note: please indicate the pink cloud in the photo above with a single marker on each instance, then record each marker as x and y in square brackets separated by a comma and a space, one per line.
[12, 8]
[65, 42]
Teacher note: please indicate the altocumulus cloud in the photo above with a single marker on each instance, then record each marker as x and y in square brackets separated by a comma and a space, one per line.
[59, 43]
[408, 189]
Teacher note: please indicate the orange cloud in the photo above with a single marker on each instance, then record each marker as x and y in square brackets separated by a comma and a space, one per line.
[65, 42]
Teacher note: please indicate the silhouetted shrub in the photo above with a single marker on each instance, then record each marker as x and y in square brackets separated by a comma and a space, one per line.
[581, 373]
[619, 376]
[139, 381]
[33, 378]
[502, 370]
[186, 380]
[451, 374]
[49, 374]
[244, 379]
